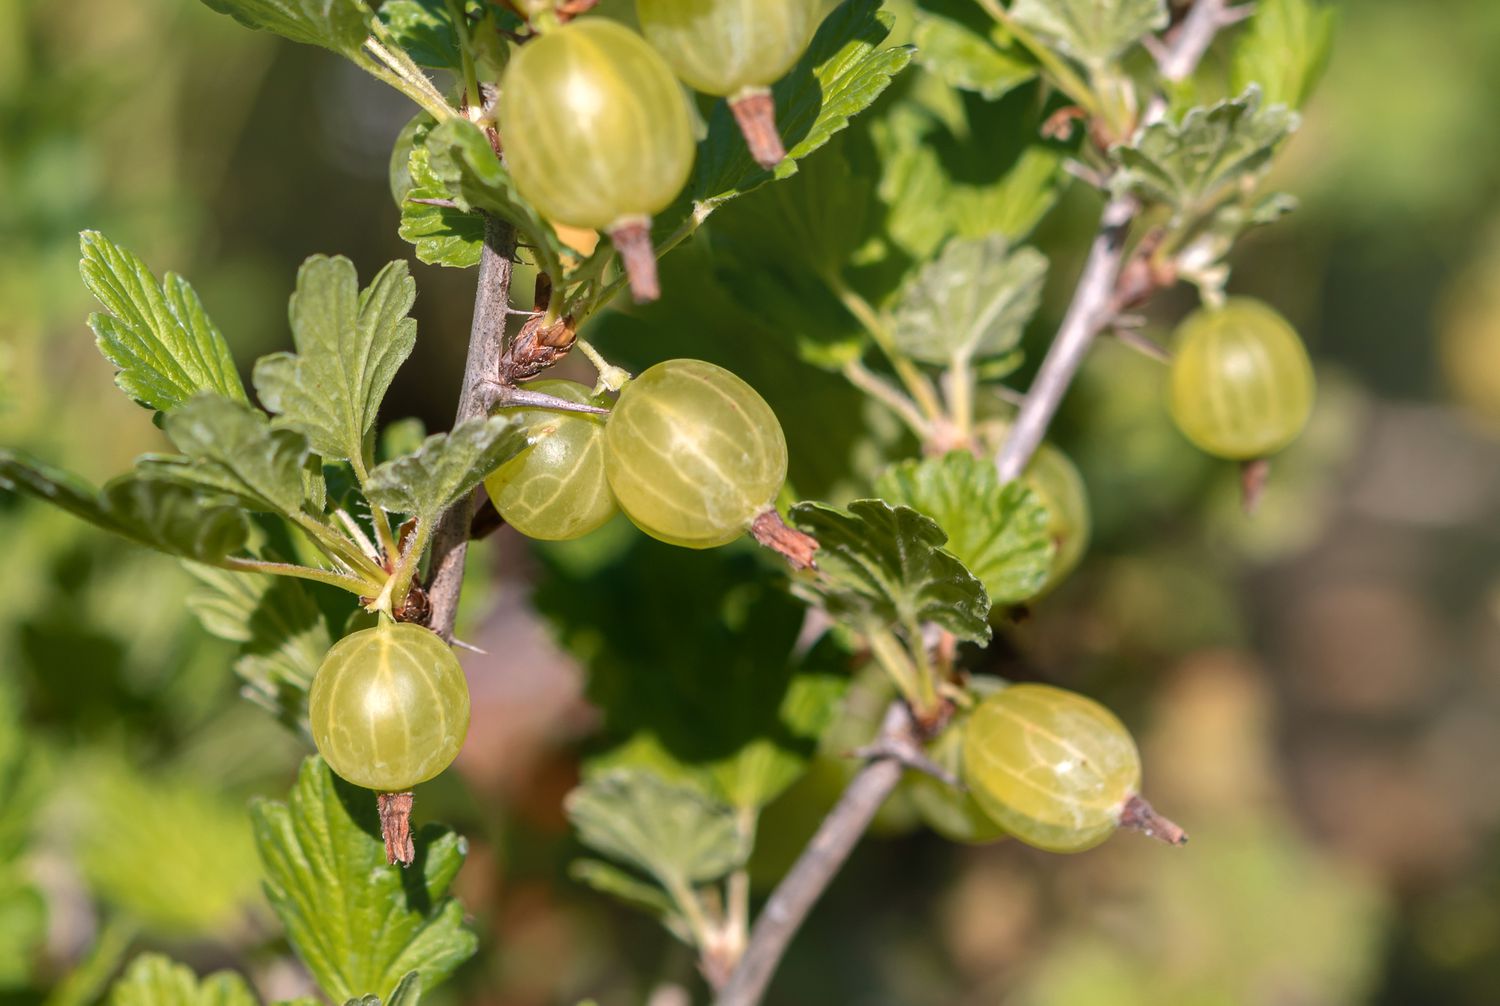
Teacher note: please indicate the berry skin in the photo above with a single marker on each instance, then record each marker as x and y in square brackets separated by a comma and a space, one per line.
[598, 134]
[1053, 477]
[555, 490]
[693, 454]
[1241, 384]
[1051, 767]
[389, 707]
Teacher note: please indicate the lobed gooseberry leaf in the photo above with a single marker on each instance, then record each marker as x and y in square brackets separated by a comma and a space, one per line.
[282, 633]
[842, 73]
[668, 830]
[232, 448]
[446, 466]
[1094, 33]
[442, 234]
[143, 506]
[1284, 50]
[340, 25]
[350, 343]
[963, 58]
[1192, 165]
[154, 980]
[157, 334]
[998, 532]
[459, 156]
[424, 30]
[357, 923]
[740, 727]
[606, 878]
[882, 565]
[973, 302]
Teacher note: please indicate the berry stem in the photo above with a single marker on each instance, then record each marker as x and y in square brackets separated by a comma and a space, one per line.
[755, 111]
[632, 240]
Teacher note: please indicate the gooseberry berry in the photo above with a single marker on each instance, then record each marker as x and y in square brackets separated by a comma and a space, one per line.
[555, 490]
[1241, 383]
[693, 454]
[734, 49]
[598, 134]
[389, 707]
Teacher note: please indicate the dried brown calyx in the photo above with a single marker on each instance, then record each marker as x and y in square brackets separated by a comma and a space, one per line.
[632, 239]
[1140, 816]
[796, 547]
[395, 827]
[755, 111]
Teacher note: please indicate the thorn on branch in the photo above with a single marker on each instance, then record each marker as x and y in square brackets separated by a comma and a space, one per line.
[446, 204]
[796, 547]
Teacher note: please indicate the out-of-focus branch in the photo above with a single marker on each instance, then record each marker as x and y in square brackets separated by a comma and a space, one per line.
[450, 541]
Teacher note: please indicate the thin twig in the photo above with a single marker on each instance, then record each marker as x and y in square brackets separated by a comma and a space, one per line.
[450, 541]
[1190, 43]
[1092, 308]
[795, 896]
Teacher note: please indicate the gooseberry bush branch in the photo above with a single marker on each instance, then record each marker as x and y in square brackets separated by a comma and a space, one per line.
[333, 548]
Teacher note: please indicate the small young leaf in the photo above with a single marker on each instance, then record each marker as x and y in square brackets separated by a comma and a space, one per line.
[964, 59]
[158, 334]
[340, 25]
[282, 632]
[442, 235]
[357, 923]
[669, 830]
[1285, 50]
[606, 878]
[840, 75]
[1089, 31]
[424, 29]
[446, 466]
[154, 980]
[882, 565]
[233, 449]
[973, 302]
[143, 507]
[461, 158]
[1192, 165]
[999, 532]
[350, 343]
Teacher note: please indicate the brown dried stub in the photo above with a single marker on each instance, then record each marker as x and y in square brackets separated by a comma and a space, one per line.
[1140, 816]
[755, 111]
[632, 239]
[537, 346]
[395, 827]
[796, 547]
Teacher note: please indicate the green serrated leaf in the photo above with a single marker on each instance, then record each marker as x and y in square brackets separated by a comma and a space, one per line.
[669, 830]
[606, 878]
[1094, 32]
[840, 75]
[882, 566]
[146, 508]
[232, 448]
[1284, 51]
[443, 235]
[424, 29]
[282, 633]
[154, 980]
[357, 923]
[461, 158]
[1192, 165]
[408, 993]
[157, 334]
[350, 343]
[340, 25]
[998, 532]
[974, 301]
[964, 59]
[445, 467]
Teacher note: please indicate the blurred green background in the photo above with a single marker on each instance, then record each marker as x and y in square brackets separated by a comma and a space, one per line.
[1316, 689]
